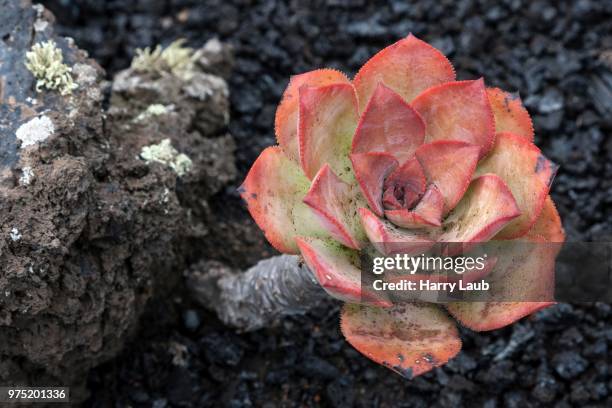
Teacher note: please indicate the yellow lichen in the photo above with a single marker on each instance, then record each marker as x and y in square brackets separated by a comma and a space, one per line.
[167, 155]
[156, 109]
[45, 62]
[175, 59]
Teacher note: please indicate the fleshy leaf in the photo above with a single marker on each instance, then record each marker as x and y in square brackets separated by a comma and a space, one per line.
[527, 173]
[408, 67]
[524, 272]
[449, 164]
[273, 190]
[327, 122]
[437, 276]
[458, 111]
[389, 125]
[337, 270]
[404, 186]
[286, 120]
[331, 199]
[409, 338]
[548, 224]
[486, 207]
[427, 213]
[510, 114]
[371, 170]
[390, 240]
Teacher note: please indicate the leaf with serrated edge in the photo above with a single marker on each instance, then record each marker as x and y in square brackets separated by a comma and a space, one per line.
[486, 207]
[449, 164]
[408, 338]
[389, 125]
[326, 125]
[526, 269]
[338, 271]
[408, 66]
[286, 119]
[389, 239]
[335, 202]
[371, 170]
[527, 173]
[273, 190]
[510, 114]
[427, 213]
[458, 111]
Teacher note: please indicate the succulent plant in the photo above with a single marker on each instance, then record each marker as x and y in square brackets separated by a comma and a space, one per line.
[401, 157]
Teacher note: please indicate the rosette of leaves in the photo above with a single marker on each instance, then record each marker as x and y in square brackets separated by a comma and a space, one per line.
[402, 157]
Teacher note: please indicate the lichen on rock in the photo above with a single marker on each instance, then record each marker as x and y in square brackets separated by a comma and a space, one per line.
[45, 62]
[35, 130]
[167, 155]
[175, 59]
[156, 109]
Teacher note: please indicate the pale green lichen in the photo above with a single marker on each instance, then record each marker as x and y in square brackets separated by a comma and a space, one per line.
[167, 155]
[175, 59]
[156, 109]
[45, 62]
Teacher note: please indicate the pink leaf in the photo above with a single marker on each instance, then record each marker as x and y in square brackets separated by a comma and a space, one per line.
[327, 122]
[427, 213]
[286, 121]
[527, 173]
[273, 190]
[510, 114]
[408, 67]
[338, 272]
[485, 209]
[371, 170]
[458, 111]
[409, 338]
[389, 239]
[404, 186]
[449, 164]
[389, 125]
[330, 199]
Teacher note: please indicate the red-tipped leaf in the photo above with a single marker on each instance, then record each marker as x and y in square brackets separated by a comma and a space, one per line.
[485, 209]
[389, 125]
[327, 122]
[527, 173]
[286, 120]
[389, 239]
[338, 271]
[273, 190]
[371, 170]
[458, 111]
[332, 201]
[427, 213]
[510, 114]
[408, 67]
[408, 338]
[449, 164]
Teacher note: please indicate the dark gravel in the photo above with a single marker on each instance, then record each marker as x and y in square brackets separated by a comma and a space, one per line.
[554, 52]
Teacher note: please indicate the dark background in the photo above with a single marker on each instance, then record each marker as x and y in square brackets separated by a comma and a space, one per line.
[558, 54]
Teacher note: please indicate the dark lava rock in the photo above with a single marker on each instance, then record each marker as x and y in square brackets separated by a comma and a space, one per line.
[538, 48]
[90, 231]
[191, 319]
[569, 364]
[220, 349]
[316, 367]
[340, 392]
